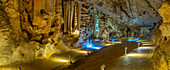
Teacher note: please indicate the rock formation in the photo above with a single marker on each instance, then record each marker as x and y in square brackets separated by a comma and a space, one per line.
[30, 29]
[33, 29]
[161, 37]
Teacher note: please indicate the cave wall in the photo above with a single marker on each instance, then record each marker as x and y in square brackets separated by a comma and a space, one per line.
[5, 36]
[29, 30]
[161, 37]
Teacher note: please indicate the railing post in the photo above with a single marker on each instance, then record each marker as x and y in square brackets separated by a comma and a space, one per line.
[138, 44]
[125, 50]
[70, 59]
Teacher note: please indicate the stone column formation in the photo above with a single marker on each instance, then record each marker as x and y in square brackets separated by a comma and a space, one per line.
[72, 16]
[28, 26]
[37, 26]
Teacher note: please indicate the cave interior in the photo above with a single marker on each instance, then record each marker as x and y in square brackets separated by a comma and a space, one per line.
[84, 34]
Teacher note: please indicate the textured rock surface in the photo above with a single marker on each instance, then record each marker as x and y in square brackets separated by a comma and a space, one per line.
[140, 12]
[161, 57]
[5, 38]
[29, 29]
[123, 18]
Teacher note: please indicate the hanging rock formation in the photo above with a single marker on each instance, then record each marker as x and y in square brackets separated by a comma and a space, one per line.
[30, 29]
[132, 12]
[124, 18]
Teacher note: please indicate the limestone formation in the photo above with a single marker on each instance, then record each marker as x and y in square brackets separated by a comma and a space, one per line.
[29, 30]
[36, 29]
[161, 57]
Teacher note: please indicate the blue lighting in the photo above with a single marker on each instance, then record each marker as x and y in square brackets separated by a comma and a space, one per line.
[90, 45]
[131, 40]
[113, 40]
[97, 23]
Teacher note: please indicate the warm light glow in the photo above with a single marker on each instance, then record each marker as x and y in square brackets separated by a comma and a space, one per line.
[148, 44]
[107, 44]
[131, 55]
[117, 42]
[141, 40]
[81, 51]
[59, 60]
[134, 54]
[63, 60]
[76, 32]
[146, 47]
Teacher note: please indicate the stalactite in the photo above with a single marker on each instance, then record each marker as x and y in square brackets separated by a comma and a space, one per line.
[65, 15]
[79, 15]
[69, 16]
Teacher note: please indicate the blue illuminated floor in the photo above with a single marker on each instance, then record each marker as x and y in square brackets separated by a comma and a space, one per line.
[96, 44]
[91, 46]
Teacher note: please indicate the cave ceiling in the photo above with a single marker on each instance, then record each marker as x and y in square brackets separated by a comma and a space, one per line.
[142, 13]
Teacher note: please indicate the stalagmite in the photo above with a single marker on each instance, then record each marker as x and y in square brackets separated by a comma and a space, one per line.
[31, 30]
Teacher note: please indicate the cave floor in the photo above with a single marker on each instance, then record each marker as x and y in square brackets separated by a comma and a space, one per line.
[138, 59]
[112, 56]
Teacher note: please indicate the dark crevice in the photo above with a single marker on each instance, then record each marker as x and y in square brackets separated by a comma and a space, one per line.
[124, 11]
[39, 41]
[22, 54]
[53, 24]
[144, 12]
[51, 33]
[29, 17]
[28, 34]
[165, 38]
[150, 5]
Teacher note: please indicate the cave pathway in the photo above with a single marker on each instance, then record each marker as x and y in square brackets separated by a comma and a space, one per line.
[138, 59]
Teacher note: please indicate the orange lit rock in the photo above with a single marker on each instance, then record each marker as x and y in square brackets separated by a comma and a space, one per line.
[161, 57]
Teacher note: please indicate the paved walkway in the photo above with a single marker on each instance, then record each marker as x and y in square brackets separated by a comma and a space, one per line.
[138, 59]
